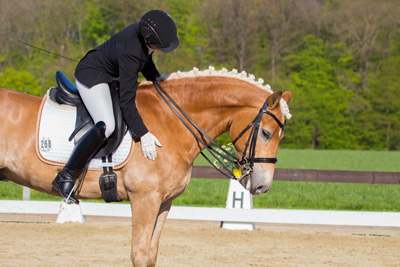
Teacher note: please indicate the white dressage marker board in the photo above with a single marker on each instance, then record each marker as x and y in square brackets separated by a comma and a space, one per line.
[238, 198]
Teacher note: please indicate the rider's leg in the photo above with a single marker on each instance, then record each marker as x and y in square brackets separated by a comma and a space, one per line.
[84, 150]
[98, 102]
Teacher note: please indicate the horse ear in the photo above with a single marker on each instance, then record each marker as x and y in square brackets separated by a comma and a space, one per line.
[287, 96]
[273, 101]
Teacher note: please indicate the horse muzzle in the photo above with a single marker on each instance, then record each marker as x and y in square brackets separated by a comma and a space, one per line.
[259, 180]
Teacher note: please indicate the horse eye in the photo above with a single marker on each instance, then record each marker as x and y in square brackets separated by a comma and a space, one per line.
[266, 134]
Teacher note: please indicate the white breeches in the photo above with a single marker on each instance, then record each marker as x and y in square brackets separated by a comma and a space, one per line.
[97, 100]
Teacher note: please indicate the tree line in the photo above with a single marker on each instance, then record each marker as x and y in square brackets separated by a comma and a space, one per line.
[340, 58]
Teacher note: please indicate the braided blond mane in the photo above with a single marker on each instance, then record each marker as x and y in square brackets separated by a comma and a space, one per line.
[211, 71]
[250, 78]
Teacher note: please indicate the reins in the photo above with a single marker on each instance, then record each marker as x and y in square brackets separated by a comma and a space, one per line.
[229, 156]
[245, 163]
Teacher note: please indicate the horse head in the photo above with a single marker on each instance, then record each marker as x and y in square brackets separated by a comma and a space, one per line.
[257, 145]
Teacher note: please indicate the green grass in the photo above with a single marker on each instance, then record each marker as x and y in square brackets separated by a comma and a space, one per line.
[299, 195]
[12, 191]
[349, 160]
[307, 195]
[291, 195]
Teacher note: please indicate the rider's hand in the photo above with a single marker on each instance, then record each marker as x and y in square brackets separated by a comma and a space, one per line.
[149, 143]
[162, 77]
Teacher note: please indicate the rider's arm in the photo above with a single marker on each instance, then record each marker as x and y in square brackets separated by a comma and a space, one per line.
[129, 69]
[149, 70]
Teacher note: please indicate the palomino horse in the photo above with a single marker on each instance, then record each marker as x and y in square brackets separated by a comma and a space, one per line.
[218, 101]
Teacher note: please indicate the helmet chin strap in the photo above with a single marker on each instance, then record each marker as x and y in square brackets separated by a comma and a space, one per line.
[148, 44]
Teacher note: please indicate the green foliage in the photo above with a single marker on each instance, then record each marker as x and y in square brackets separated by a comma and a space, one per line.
[100, 23]
[342, 63]
[321, 105]
[384, 104]
[191, 38]
[22, 81]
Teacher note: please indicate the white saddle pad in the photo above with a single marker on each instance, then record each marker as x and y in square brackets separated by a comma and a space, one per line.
[55, 125]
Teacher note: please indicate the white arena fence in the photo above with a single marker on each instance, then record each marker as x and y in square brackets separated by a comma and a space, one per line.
[311, 217]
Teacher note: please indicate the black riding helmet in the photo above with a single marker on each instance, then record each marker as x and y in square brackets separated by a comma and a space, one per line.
[159, 29]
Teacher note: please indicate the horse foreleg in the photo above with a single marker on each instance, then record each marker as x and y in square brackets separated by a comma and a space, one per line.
[162, 217]
[145, 209]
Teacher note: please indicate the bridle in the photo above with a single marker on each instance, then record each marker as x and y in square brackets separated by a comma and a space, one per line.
[247, 163]
[244, 163]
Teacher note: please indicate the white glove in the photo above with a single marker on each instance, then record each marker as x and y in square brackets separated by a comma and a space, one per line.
[149, 143]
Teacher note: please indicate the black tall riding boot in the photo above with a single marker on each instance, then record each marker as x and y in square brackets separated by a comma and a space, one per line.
[84, 150]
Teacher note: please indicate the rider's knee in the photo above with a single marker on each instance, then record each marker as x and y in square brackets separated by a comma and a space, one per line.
[110, 127]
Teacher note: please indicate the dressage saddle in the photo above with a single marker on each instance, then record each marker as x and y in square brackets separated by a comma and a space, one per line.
[66, 93]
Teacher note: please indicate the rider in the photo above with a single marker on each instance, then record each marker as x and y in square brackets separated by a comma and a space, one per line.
[123, 56]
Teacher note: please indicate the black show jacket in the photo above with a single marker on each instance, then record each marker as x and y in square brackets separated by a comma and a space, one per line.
[123, 56]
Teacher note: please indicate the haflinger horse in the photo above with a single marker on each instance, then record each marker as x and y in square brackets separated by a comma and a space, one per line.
[218, 101]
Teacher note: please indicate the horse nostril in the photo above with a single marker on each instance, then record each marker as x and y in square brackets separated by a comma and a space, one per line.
[261, 189]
